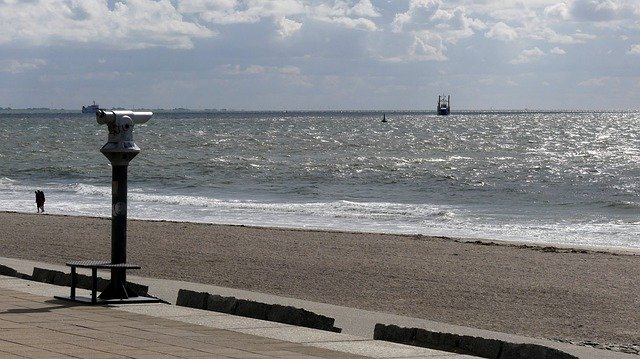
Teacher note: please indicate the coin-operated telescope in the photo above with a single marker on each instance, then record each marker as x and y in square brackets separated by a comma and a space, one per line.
[120, 148]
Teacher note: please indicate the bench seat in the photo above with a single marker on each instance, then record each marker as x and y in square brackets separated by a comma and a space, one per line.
[94, 265]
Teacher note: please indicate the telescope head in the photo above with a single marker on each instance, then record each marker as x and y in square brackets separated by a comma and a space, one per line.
[120, 147]
[111, 116]
[120, 123]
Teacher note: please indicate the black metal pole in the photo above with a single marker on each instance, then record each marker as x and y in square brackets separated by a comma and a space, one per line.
[117, 288]
[119, 223]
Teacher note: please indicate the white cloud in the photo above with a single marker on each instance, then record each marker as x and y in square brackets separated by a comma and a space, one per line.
[17, 66]
[289, 70]
[634, 50]
[134, 24]
[431, 26]
[365, 8]
[582, 37]
[420, 12]
[427, 47]
[528, 56]
[559, 11]
[353, 15]
[342, 8]
[502, 31]
[604, 10]
[287, 28]
[511, 11]
[239, 12]
[260, 70]
[551, 36]
[347, 14]
[599, 82]
[557, 51]
[537, 21]
[450, 25]
[553, 21]
[351, 23]
[238, 70]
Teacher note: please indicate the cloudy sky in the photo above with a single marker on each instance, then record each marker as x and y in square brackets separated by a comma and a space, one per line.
[320, 54]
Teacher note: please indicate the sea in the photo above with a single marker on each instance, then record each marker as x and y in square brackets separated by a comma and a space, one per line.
[555, 178]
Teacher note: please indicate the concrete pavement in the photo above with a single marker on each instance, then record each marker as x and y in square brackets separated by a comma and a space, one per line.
[35, 325]
[357, 324]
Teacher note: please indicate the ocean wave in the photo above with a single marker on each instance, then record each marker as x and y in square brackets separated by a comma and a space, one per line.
[623, 205]
[6, 181]
[90, 190]
[334, 209]
[12, 185]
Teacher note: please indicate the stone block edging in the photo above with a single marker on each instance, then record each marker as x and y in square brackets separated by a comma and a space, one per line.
[252, 309]
[465, 344]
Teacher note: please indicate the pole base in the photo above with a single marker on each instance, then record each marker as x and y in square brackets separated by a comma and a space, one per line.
[100, 301]
[118, 290]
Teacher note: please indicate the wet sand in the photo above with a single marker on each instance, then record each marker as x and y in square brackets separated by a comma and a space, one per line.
[549, 292]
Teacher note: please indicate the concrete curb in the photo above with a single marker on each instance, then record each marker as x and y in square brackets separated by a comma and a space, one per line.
[256, 310]
[465, 344]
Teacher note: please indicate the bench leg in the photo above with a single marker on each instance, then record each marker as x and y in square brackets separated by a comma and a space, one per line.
[94, 284]
[74, 282]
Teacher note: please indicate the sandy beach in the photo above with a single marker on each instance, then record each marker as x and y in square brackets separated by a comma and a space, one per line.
[556, 293]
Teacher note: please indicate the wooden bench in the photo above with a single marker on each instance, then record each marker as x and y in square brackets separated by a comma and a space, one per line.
[94, 265]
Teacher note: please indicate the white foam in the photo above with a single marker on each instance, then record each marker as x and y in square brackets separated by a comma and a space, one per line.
[382, 217]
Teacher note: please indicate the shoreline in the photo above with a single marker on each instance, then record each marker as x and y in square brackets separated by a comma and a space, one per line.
[480, 241]
[544, 291]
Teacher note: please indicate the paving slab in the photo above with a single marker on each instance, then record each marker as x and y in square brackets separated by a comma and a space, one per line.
[301, 334]
[381, 349]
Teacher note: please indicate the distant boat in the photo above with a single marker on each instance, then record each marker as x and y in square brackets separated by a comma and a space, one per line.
[384, 117]
[91, 108]
[444, 107]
